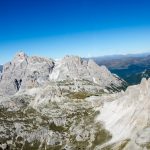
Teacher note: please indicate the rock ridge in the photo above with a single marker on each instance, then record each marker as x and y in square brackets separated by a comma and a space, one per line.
[25, 72]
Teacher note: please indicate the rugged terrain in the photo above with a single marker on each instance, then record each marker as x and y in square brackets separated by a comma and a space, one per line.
[127, 118]
[25, 72]
[47, 104]
[70, 104]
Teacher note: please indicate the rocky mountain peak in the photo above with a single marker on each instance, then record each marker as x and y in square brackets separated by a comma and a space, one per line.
[47, 104]
[20, 57]
[73, 67]
[25, 72]
[72, 58]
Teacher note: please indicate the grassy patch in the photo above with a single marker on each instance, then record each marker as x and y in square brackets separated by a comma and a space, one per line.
[101, 137]
[123, 145]
[79, 95]
[53, 127]
[34, 146]
[117, 146]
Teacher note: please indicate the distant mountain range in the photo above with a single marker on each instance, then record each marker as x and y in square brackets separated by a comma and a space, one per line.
[129, 67]
[123, 61]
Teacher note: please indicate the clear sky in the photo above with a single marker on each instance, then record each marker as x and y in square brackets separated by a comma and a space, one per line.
[54, 28]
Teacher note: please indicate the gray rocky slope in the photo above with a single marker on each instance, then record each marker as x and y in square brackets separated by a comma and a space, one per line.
[127, 117]
[47, 104]
[25, 72]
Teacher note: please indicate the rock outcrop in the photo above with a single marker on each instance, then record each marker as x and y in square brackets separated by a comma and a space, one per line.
[48, 118]
[73, 67]
[25, 72]
[70, 104]
[47, 104]
[128, 117]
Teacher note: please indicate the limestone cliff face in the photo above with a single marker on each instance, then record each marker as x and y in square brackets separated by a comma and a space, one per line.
[73, 67]
[128, 116]
[25, 72]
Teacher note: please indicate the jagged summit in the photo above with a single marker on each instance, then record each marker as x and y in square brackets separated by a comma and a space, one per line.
[25, 72]
[73, 67]
[20, 56]
[31, 71]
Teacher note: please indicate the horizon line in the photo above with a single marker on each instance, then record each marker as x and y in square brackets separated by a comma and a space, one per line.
[115, 54]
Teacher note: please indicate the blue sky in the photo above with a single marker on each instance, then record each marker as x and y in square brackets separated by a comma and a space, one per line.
[54, 28]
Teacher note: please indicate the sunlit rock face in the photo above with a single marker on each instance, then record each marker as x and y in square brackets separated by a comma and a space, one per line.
[70, 104]
[52, 105]
[73, 67]
[50, 118]
[25, 72]
[128, 117]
